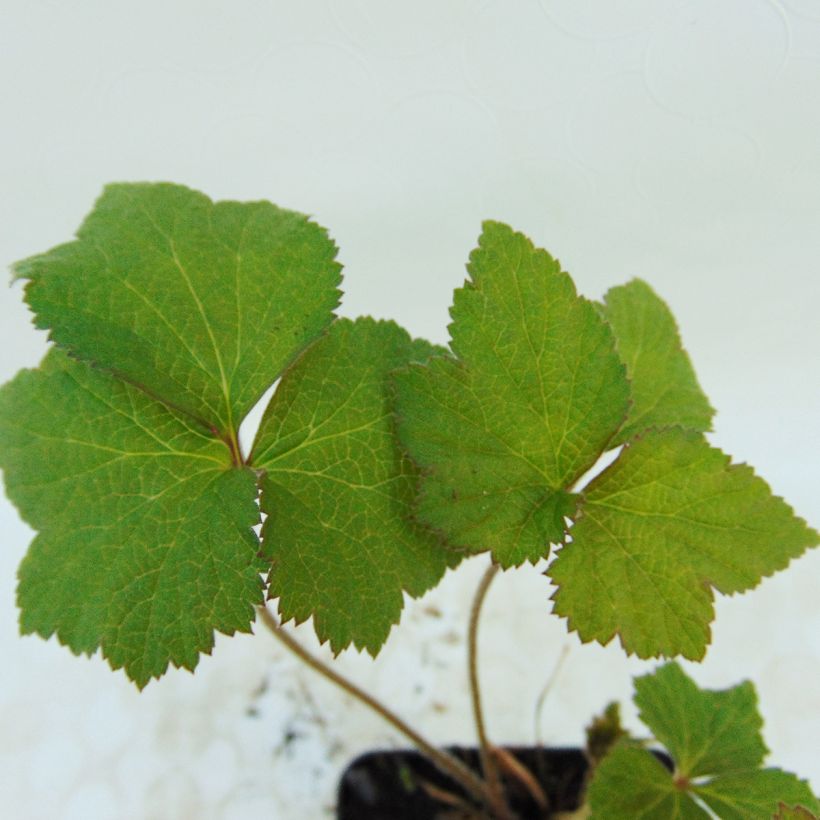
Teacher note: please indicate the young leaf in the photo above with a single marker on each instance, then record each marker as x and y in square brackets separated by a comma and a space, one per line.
[666, 522]
[604, 732]
[632, 784]
[337, 491]
[705, 731]
[714, 738]
[145, 544]
[665, 391]
[200, 303]
[534, 396]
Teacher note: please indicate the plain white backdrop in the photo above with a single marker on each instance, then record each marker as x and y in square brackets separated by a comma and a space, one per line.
[676, 140]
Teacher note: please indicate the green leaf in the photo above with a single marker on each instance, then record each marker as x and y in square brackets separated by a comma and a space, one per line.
[192, 309]
[714, 737]
[665, 391]
[337, 491]
[668, 521]
[202, 304]
[535, 394]
[145, 543]
[604, 732]
[706, 731]
[752, 795]
[632, 784]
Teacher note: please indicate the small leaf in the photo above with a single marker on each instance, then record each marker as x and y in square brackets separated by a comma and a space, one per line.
[532, 399]
[202, 304]
[338, 492]
[705, 731]
[604, 732]
[665, 391]
[716, 742]
[630, 783]
[661, 526]
[145, 543]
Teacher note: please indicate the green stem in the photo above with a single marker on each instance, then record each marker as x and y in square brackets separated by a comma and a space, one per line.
[447, 763]
[488, 764]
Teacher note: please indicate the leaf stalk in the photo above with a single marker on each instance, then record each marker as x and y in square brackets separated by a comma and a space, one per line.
[485, 749]
[444, 761]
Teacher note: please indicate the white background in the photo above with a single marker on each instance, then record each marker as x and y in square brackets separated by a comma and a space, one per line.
[676, 141]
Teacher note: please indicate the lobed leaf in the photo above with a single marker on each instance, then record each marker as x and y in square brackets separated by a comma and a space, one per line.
[632, 784]
[535, 394]
[202, 304]
[145, 543]
[705, 731]
[188, 310]
[664, 388]
[714, 737]
[338, 492]
[668, 521]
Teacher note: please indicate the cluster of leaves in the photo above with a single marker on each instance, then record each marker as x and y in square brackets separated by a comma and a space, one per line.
[542, 383]
[172, 315]
[715, 741]
[380, 460]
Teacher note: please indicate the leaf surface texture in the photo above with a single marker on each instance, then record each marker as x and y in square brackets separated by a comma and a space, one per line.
[145, 543]
[533, 396]
[664, 388]
[201, 303]
[667, 522]
[338, 492]
[178, 313]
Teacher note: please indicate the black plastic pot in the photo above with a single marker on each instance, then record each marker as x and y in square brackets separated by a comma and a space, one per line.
[395, 785]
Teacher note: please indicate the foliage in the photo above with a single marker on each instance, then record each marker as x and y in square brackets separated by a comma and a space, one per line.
[535, 394]
[603, 733]
[177, 314]
[379, 463]
[714, 738]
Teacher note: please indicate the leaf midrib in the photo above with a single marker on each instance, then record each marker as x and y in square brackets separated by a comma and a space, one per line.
[169, 238]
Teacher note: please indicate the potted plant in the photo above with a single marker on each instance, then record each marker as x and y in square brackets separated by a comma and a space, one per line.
[380, 462]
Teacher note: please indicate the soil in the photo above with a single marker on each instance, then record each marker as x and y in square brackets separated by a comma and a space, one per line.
[403, 785]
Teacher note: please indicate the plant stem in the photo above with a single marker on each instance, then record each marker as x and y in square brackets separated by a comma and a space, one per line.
[488, 763]
[444, 761]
